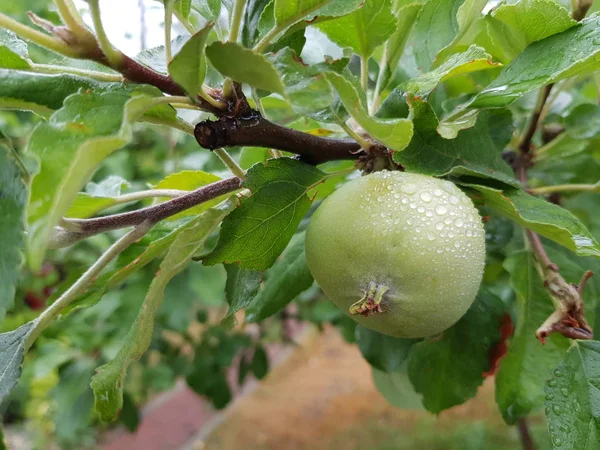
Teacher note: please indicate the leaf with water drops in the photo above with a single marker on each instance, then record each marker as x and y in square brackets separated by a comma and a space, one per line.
[475, 152]
[520, 380]
[549, 220]
[573, 399]
[575, 51]
[440, 24]
[473, 59]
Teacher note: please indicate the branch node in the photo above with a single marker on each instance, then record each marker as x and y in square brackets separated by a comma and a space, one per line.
[569, 319]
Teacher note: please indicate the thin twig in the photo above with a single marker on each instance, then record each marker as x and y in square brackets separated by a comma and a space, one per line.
[112, 55]
[543, 190]
[70, 16]
[231, 164]
[66, 43]
[364, 74]
[178, 124]
[151, 193]
[30, 34]
[525, 143]
[541, 152]
[526, 439]
[236, 20]
[90, 227]
[76, 288]
[168, 25]
[354, 135]
[100, 76]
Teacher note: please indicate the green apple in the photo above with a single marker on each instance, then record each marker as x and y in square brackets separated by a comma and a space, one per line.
[402, 253]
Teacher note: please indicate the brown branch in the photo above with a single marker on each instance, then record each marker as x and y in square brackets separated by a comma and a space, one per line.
[583, 6]
[569, 317]
[139, 73]
[254, 130]
[525, 144]
[526, 439]
[86, 47]
[79, 229]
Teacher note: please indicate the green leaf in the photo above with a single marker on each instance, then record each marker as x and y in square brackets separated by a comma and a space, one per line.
[258, 231]
[473, 59]
[447, 371]
[395, 106]
[293, 41]
[188, 67]
[12, 352]
[397, 389]
[188, 180]
[109, 187]
[476, 151]
[330, 11]
[155, 57]
[383, 352]
[573, 398]
[13, 198]
[439, 24]
[305, 85]
[108, 381]
[254, 9]
[336, 8]
[209, 9]
[520, 380]
[393, 133]
[41, 93]
[575, 51]
[287, 10]
[252, 155]
[394, 46]
[241, 288]
[3, 444]
[130, 416]
[260, 363]
[528, 21]
[288, 277]
[245, 66]
[583, 122]
[152, 246]
[13, 51]
[69, 147]
[450, 127]
[73, 388]
[184, 7]
[545, 218]
[98, 196]
[371, 25]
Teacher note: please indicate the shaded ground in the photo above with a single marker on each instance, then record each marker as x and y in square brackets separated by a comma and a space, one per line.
[322, 397]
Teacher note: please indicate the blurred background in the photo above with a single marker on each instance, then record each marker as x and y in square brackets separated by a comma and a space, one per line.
[315, 392]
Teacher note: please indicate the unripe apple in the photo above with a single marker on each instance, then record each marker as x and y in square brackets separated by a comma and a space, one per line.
[402, 253]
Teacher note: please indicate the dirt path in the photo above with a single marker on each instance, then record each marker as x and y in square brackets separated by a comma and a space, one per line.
[322, 397]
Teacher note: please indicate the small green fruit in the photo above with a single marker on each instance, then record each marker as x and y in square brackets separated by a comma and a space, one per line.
[402, 253]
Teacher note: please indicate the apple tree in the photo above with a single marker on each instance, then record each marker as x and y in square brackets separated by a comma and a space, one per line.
[281, 118]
